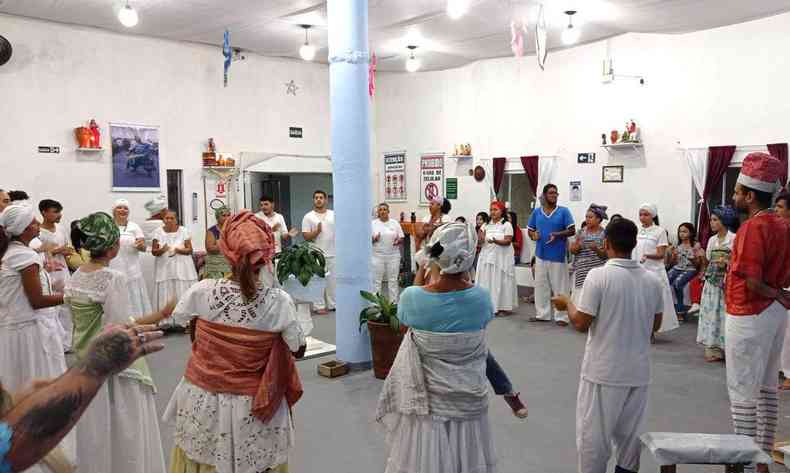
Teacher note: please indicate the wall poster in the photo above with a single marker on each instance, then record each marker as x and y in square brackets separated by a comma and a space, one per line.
[431, 176]
[576, 191]
[395, 176]
[135, 158]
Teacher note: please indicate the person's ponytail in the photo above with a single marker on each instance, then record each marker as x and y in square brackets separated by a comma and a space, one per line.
[248, 279]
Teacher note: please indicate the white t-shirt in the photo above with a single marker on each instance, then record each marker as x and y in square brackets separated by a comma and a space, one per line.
[128, 259]
[278, 235]
[624, 298]
[326, 239]
[388, 231]
[647, 242]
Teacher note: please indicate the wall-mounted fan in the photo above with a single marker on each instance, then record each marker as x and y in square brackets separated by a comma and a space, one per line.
[5, 50]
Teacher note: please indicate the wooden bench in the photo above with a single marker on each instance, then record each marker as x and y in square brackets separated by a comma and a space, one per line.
[733, 452]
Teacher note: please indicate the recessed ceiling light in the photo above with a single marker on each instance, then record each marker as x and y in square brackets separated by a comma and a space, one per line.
[128, 16]
[570, 35]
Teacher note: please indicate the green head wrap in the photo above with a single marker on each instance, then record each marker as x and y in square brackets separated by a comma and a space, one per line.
[101, 232]
[218, 212]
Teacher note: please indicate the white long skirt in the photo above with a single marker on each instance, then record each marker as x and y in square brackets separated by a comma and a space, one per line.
[428, 444]
[119, 431]
[138, 297]
[496, 272]
[669, 320]
[33, 350]
[167, 290]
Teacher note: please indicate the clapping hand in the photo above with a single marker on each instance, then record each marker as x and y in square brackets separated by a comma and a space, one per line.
[318, 228]
[560, 302]
[276, 227]
[552, 238]
[376, 237]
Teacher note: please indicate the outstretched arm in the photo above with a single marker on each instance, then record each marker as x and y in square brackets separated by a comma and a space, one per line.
[40, 420]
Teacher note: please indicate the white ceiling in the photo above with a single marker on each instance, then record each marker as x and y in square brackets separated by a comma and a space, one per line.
[270, 27]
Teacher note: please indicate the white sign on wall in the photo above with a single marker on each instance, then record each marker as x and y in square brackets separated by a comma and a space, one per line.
[431, 177]
[395, 176]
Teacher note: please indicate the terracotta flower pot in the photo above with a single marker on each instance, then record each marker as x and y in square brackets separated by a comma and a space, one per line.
[83, 135]
[384, 345]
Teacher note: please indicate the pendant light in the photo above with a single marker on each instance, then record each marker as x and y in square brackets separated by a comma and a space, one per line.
[307, 51]
[128, 16]
[412, 64]
[570, 35]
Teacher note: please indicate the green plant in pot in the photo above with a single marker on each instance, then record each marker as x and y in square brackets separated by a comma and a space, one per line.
[303, 261]
[386, 331]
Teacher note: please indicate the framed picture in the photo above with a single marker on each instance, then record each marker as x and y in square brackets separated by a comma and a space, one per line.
[612, 174]
[135, 158]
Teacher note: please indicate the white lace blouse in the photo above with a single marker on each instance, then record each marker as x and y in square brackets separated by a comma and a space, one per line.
[218, 429]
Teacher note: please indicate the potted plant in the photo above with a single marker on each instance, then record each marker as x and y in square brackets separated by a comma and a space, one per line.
[386, 331]
[301, 270]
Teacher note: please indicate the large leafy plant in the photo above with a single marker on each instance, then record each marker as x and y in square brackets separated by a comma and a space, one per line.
[381, 310]
[303, 261]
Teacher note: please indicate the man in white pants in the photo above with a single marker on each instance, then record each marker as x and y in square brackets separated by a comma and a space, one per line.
[756, 303]
[280, 230]
[550, 226]
[387, 236]
[318, 226]
[621, 308]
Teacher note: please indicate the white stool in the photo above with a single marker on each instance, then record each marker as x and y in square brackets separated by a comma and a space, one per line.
[734, 452]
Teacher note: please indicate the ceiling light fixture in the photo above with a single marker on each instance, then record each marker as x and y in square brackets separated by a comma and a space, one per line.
[457, 8]
[412, 64]
[128, 16]
[307, 51]
[570, 35]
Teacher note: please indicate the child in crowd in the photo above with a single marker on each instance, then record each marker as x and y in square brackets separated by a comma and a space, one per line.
[481, 220]
[686, 259]
[460, 220]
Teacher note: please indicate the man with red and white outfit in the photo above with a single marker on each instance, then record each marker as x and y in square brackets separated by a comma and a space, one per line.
[756, 303]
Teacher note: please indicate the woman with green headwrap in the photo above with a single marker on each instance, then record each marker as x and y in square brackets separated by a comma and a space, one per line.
[119, 431]
[217, 267]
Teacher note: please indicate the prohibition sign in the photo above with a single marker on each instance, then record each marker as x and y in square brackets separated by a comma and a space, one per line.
[431, 191]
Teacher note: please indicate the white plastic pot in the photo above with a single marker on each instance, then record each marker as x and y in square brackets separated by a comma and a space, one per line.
[312, 293]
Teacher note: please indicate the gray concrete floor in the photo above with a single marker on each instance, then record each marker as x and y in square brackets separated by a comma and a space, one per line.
[336, 432]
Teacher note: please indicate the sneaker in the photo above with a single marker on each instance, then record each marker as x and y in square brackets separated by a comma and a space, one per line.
[694, 309]
[518, 408]
[321, 312]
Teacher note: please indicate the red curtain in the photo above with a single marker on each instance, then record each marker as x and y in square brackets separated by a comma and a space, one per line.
[779, 151]
[719, 158]
[499, 173]
[530, 164]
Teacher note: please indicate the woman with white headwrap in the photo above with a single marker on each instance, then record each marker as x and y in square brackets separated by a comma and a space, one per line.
[651, 249]
[434, 404]
[128, 260]
[30, 343]
[156, 208]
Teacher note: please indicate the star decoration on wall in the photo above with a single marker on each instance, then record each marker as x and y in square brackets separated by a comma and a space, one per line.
[291, 88]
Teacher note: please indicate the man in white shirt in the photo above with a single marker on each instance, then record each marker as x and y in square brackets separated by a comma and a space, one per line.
[621, 307]
[280, 230]
[318, 227]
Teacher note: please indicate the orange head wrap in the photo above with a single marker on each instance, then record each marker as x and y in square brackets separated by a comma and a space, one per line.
[499, 204]
[246, 236]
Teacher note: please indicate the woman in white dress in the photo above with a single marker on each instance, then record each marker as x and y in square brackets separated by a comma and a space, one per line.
[496, 264]
[232, 409]
[56, 246]
[128, 260]
[651, 250]
[119, 431]
[175, 270]
[30, 345]
[156, 209]
[387, 238]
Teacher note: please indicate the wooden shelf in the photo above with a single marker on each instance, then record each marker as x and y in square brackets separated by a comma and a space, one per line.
[90, 150]
[221, 168]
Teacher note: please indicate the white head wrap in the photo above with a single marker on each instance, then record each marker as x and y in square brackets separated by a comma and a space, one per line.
[156, 205]
[16, 218]
[120, 203]
[452, 247]
[650, 208]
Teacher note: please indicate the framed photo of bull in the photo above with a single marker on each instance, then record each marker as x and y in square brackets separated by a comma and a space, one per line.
[135, 158]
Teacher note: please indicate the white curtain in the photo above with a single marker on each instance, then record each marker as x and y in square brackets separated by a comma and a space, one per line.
[697, 160]
[547, 172]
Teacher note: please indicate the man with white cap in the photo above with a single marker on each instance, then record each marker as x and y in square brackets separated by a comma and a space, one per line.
[756, 303]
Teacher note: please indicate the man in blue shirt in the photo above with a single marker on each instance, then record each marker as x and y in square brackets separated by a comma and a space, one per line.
[550, 226]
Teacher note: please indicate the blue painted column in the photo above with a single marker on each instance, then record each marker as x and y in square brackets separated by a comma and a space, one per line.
[348, 77]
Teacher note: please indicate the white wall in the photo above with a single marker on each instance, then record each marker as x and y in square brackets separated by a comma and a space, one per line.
[715, 87]
[61, 76]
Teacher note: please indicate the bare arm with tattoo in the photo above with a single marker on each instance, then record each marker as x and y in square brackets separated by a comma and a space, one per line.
[41, 419]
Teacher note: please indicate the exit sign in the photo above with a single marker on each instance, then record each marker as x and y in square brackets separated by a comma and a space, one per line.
[295, 132]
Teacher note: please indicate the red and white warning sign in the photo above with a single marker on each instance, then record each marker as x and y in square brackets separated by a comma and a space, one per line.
[431, 176]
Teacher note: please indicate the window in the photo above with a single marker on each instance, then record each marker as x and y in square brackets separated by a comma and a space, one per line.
[722, 194]
[517, 191]
[175, 200]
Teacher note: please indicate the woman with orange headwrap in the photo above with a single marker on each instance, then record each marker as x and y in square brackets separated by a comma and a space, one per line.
[496, 263]
[232, 409]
